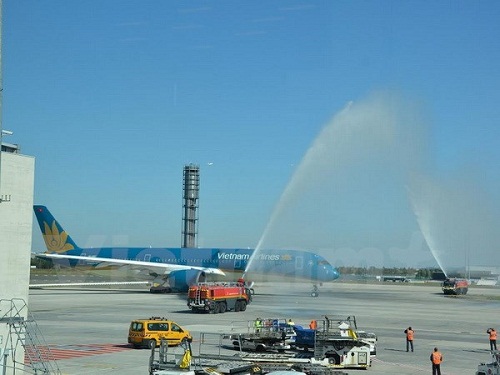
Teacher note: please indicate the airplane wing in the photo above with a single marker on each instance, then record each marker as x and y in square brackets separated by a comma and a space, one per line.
[165, 267]
[106, 283]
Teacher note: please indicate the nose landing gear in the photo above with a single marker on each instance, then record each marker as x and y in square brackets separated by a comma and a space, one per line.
[315, 291]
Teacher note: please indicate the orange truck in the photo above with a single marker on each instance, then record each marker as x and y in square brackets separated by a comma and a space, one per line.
[218, 297]
[455, 286]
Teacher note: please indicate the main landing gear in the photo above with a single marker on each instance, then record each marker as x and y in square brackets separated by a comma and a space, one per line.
[315, 291]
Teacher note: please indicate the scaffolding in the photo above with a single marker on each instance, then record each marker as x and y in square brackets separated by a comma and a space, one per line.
[23, 349]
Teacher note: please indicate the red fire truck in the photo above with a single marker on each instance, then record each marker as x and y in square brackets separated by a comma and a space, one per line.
[219, 297]
[455, 286]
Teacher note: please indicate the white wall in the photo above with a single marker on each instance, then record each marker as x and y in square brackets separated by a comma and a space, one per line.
[16, 217]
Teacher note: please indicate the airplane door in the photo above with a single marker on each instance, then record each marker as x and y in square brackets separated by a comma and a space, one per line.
[147, 257]
[299, 262]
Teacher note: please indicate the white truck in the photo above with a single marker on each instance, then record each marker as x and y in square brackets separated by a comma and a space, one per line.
[336, 342]
[492, 368]
[264, 335]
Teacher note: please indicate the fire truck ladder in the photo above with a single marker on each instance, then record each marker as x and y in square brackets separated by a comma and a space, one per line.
[198, 296]
[23, 332]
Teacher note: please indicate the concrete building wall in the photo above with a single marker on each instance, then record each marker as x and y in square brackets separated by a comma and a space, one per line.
[16, 220]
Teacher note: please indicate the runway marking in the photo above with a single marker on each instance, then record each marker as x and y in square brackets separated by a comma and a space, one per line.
[402, 365]
[59, 352]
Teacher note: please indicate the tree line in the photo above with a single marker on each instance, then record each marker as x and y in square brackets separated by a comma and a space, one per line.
[416, 273]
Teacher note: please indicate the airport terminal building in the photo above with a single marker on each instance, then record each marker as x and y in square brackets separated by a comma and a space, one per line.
[16, 219]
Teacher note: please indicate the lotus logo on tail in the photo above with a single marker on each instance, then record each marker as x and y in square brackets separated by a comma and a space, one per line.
[55, 241]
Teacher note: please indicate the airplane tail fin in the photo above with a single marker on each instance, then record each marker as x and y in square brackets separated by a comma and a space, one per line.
[56, 239]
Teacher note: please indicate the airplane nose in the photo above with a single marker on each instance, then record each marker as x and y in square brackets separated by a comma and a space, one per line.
[331, 273]
[335, 274]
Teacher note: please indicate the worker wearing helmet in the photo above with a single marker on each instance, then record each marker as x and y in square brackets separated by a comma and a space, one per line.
[409, 338]
[493, 338]
[436, 359]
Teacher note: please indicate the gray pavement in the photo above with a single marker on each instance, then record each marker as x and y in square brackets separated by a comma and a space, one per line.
[90, 320]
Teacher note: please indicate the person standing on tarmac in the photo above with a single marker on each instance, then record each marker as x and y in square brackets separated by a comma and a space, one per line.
[493, 338]
[436, 359]
[409, 338]
[257, 325]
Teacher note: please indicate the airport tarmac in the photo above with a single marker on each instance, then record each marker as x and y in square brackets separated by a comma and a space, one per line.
[87, 329]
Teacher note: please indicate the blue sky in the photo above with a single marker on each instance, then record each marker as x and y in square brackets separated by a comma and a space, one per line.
[114, 97]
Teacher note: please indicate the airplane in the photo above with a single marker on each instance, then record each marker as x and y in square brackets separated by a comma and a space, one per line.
[175, 269]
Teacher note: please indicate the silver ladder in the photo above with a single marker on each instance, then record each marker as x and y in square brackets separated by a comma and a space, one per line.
[24, 332]
[198, 296]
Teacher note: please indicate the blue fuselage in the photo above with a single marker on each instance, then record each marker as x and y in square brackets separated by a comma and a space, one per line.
[290, 263]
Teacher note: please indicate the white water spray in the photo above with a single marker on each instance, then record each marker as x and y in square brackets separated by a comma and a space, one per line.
[424, 220]
[367, 184]
[292, 185]
[338, 190]
[457, 218]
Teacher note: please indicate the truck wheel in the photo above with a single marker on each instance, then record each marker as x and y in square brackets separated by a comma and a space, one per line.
[243, 305]
[216, 308]
[222, 307]
[334, 360]
[151, 344]
[237, 306]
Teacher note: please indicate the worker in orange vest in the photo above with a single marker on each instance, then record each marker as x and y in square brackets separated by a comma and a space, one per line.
[493, 338]
[436, 359]
[313, 324]
[409, 338]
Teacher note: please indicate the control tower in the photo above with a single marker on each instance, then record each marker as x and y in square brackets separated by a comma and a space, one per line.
[190, 197]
